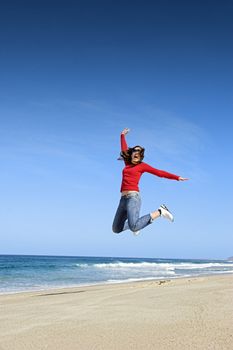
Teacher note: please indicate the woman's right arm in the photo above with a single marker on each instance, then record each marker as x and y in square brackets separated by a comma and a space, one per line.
[124, 145]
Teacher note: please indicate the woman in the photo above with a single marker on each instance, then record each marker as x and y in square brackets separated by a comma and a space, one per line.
[127, 215]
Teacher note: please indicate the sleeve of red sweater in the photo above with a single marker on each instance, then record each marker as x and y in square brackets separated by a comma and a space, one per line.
[161, 173]
[124, 145]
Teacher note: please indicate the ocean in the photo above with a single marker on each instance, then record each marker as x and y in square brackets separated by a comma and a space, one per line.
[28, 273]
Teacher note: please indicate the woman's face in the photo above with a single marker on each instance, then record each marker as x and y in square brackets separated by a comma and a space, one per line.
[136, 155]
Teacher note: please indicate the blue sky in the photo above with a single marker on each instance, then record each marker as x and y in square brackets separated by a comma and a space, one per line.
[73, 75]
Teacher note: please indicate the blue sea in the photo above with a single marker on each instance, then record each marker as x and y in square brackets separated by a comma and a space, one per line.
[27, 273]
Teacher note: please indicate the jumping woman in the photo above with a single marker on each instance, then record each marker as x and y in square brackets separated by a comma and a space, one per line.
[127, 214]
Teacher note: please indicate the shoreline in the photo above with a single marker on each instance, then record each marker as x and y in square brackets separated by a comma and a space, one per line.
[184, 313]
[129, 281]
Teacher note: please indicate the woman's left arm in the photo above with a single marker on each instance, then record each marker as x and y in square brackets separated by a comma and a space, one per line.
[161, 173]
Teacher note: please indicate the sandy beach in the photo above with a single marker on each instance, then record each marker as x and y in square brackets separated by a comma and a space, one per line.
[191, 313]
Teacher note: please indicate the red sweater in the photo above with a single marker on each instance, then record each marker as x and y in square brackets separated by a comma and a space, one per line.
[132, 173]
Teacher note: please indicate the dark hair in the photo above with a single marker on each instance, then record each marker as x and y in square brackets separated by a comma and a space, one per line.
[126, 155]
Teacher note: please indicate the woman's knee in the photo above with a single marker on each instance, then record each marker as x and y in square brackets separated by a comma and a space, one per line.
[133, 227]
[116, 229]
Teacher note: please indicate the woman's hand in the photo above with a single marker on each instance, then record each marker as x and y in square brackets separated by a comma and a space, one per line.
[182, 178]
[125, 131]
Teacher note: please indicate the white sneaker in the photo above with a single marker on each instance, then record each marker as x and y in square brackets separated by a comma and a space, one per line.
[166, 213]
[136, 233]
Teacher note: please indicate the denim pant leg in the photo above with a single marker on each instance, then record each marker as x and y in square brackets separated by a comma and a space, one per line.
[133, 210]
[120, 217]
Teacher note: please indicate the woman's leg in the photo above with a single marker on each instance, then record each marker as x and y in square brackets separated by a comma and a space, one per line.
[120, 217]
[155, 214]
[135, 222]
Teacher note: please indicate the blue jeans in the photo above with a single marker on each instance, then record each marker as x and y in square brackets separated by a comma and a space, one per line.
[127, 214]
